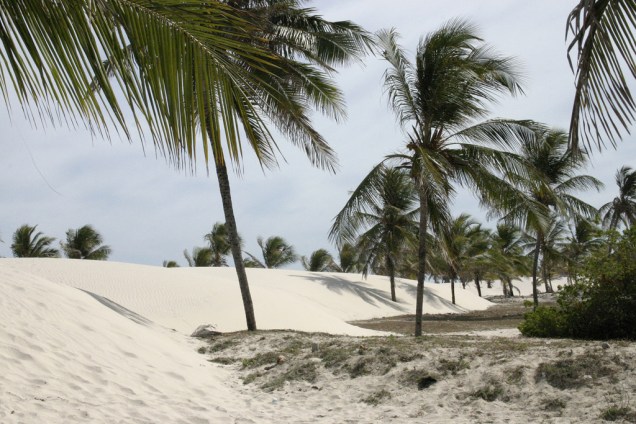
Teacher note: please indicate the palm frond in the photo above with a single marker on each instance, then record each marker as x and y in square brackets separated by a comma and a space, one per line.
[603, 36]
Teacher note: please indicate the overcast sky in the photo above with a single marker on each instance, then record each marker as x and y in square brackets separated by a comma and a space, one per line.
[147, 211]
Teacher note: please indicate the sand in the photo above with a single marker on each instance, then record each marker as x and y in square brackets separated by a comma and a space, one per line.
[105, 342]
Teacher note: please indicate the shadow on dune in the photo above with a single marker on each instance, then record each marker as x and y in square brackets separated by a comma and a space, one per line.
[430, 299]
[368, 294]
[133, 316]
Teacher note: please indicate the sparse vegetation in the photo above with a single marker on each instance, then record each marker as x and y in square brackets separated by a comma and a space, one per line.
[377, 398]
[491, 391]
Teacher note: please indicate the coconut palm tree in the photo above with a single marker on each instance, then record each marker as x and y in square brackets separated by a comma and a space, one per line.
[585, 236]
[200, 257]
[85, 243]
[349, 259]
[621, 210]
[551, 253]
[29, 244]
[550, 189]
[276, 253]
[507, 255]
[171, 263]
[476, 264]
[603, 38]
[320, 261]
[437, 102]
[380, 217]
[219, 243]
[219, 72]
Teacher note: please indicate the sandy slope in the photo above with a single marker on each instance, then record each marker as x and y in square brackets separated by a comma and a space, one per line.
[84, 341]
[184, 298]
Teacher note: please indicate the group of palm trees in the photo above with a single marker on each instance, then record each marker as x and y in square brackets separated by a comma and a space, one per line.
[81, 243]
[222, 71]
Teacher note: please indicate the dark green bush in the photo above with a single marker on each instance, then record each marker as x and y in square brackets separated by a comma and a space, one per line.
[602, 305]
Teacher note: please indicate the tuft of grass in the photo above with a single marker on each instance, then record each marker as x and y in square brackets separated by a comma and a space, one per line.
[572, 373]
[202, 350]
[267, 358]
[452, 366]
[618, 413]
[377, 398]
[490, 392]
[304, 371]
[223, 360]
[251, 377]
[553, 404]
[221, 345]
[515, 375]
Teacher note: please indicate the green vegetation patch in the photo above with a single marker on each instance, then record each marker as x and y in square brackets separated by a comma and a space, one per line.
[574, 372]
[377, 398]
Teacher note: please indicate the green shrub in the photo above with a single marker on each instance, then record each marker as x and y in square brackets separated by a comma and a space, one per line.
[602, 305]
[544, 322]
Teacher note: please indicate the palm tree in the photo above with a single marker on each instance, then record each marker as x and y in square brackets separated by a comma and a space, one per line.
[506, 255]
[197, 70]
[551, 250]
[550, 188]
[603, 36]
[200, 257]
[476, 263]
[585, 236]
[436, 102]
[623, 208]
[380, 217]
[219, 243]
[349, 259]
[85, 243]
[455, 248]
[320, 261]
[276, 253]
[26, 244]
[171, 263]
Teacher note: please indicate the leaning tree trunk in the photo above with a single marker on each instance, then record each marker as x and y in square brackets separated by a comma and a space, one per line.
[511, 288]
[235, 243]
[453, 289]
[390, 267]
[535, 266]
[421, 266]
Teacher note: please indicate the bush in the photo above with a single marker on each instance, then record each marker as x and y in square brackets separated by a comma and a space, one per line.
[602, 305]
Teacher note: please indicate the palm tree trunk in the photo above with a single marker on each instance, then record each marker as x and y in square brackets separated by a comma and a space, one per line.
[504, 286]
[421, 266]
[230, 222]
[391, 268]
[453, 289]
[478, 284]
[546, 282]
[510, 288]
[535, 266]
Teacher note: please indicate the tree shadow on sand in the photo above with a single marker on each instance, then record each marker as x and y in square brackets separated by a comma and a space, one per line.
[430, 299]
[133, 316]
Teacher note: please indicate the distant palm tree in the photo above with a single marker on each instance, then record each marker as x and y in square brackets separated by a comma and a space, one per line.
[437, 102]
[219, 243]
[200, 257]
[171, 264]
[476, 263]
[603, 35]
[26, 244]
[585, 236]
[550, 188]
[623, 208]
[551, 252]
[380, 217]
[507, 256]
[349, 259]
[276, 253]
[85, 243]
[320, 261]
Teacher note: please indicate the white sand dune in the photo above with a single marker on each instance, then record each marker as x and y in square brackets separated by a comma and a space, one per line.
[183, 298]
[84, 341]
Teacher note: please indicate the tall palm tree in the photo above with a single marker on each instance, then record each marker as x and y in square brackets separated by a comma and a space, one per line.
[603, 37]
[214, 71]
[437, 102]
[85, 243]
[380, 217]
[623, 208]
[219, 243]
[320, 261]
[276, 253]
[29, 244]
[550, 189]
